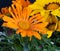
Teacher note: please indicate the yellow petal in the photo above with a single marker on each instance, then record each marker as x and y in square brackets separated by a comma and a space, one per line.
[56, 12]
[49, 33]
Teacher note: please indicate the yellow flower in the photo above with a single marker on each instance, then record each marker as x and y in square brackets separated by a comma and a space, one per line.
[46, 9]
[47, 5]
[53, 22]
[25, 24]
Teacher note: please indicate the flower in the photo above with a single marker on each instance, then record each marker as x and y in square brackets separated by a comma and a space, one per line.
[46, 5]
[46, 9]
[24, 3]
[5, 10]
[53, 22]
[25, 24]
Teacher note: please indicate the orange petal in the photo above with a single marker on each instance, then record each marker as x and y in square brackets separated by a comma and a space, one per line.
[37, 35]
[41, 25]
[10, 11]
[19, 31]
[24, 13]
[23, 33]
[14, 10]
[10, 25]
[4, 24]
[28, 13]
[8, 19]
[29, 34]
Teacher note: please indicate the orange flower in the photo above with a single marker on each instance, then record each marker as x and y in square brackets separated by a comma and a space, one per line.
[24, 3]
[4, 10]
[23, 23]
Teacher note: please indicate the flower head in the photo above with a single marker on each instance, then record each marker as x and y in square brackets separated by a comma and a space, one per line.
[47, 9]
[25, 24]
[53, 22]
[47, 5]
[4, 11]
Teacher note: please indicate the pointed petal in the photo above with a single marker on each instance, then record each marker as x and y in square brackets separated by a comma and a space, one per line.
[14, 10]
[19, 31]
[10, 11]
[23, 33]
[37, 35]
[10, 25]
[8, 19]
[41, 25]
[49, 33]
[56, 12]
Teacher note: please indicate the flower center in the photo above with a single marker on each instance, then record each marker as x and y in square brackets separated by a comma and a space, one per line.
[51, 26]
[24, 25]
[52, 6]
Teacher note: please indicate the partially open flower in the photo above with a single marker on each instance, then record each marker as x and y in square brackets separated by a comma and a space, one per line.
[4, 10]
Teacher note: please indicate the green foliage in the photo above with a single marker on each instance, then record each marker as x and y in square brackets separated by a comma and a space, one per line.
[17, 43]
[5, 43]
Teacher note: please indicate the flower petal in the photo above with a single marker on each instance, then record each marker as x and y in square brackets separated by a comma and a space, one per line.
[37, 35]
[49, 33]
[10, 25]
[8, 19]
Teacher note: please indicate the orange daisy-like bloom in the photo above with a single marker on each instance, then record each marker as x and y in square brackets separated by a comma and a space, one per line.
[24, 3]
[5, 10]
[23, 23]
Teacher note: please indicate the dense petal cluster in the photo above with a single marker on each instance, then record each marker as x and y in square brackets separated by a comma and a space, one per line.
[49, 9]
[23, 23]
[34, 19]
